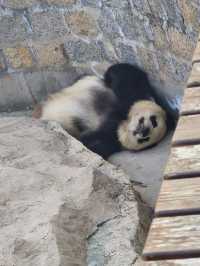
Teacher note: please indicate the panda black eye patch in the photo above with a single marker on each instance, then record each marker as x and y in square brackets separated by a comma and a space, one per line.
[153, 121]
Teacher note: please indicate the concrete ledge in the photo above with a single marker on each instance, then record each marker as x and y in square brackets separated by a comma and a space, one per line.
[20, 91]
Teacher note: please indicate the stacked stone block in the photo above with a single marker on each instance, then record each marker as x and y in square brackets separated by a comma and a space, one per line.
[45, 44]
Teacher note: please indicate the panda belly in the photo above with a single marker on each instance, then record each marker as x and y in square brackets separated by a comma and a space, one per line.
[74, 115]
[80, 111]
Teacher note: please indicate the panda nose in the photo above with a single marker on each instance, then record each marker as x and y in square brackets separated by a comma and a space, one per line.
[145, 131]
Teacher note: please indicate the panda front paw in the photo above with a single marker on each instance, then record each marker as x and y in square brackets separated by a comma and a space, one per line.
[94, 143]
[100, 143]
[89, 139]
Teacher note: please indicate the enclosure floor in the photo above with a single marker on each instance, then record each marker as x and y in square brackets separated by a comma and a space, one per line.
[145, 168]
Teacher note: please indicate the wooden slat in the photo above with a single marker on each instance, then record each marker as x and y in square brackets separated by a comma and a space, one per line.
[191, 101]
[180, 196]
[187, 131]
[194, 79]
[185, 262]
[196, 56]
[173, 237]
[183, 162]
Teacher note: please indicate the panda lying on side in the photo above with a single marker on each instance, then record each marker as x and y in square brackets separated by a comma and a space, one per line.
[107, 115]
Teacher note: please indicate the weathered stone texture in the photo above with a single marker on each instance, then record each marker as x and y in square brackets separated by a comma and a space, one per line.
[92, 3]
[61, 204]
[161, 41]
[11, 86]
[158, 35]
[49, 53]
[18, 4]
[196, 55]
[127, 53]
[149, 61]
[12, 29]
[18, 57]
[190, 11]
[180, 44]
[108, 25]
[61, 2]
[83, 23]
[48, 24]
[2, 62]
[80, 51]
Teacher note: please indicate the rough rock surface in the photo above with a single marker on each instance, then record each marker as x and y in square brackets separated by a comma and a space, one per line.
[62, 205]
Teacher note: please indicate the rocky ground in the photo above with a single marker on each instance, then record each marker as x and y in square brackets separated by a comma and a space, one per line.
[62, 205]
[144, 168]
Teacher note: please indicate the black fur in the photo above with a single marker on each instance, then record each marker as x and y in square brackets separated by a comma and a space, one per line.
[104, 141]
[79, 124]
[130, 84]
[103, 102]
[101, 142]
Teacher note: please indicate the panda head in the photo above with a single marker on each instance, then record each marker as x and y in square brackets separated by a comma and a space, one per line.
[146, 125]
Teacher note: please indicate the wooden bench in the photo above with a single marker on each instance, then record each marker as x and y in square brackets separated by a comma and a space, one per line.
[174, 236]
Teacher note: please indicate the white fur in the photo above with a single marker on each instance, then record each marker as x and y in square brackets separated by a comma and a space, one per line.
[142, 109]
[75, 101]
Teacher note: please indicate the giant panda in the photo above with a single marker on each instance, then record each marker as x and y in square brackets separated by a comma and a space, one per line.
[95, 110]
[82, 108]
[140, 107]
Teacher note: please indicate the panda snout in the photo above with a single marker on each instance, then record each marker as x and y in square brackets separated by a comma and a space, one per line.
[142, 132]
[145, 132]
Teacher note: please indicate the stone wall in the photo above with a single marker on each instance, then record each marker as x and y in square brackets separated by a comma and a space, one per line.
[45, 44]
